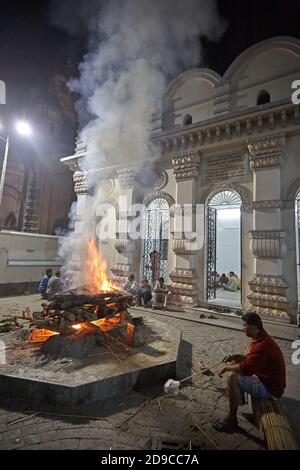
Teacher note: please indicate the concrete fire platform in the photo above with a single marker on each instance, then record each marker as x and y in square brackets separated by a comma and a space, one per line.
[99, 376]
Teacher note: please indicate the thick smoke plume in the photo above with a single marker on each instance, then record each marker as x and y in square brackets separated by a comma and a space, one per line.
[136, 48]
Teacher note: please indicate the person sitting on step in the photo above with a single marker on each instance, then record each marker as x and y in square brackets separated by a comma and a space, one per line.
[130, 285]
[223, 280]
[161, 294]
[144, 293]
[232, 285]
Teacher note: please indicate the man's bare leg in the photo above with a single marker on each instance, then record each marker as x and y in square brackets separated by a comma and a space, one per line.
[234, 396]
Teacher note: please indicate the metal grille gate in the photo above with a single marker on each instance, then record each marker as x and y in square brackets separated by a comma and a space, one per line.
[211, 253]
[156, 236]
[298, 234]
[298, 225]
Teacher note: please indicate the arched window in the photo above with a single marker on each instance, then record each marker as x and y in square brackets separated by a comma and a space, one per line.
[187, 120]
[263, 97]
[225, 199]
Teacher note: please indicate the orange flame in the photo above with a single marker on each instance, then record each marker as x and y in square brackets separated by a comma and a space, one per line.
[95, 270]
[40, 335]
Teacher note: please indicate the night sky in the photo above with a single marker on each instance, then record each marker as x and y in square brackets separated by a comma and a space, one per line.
[32, 49]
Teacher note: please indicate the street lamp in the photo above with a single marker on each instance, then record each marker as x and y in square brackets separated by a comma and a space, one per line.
[24, 129]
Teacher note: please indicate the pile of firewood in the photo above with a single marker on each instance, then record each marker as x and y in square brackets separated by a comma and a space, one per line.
[71, 308]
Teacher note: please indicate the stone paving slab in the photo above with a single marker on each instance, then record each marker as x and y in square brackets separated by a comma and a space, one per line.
[230, 322]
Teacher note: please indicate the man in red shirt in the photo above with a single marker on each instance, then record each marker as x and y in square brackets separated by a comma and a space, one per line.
[261, 373]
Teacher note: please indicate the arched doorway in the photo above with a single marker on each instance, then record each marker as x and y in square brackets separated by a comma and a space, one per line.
[297, 225]
[224, 248]
[156, 219]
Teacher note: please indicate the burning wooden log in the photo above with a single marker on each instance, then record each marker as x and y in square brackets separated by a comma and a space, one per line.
[68, 310]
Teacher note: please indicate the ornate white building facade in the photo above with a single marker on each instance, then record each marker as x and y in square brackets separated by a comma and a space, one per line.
[238, 134]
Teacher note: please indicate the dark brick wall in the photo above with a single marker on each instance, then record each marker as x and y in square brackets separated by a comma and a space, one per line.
[19, 288]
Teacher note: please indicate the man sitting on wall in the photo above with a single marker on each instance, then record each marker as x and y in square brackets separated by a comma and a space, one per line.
[44, 283]
[261, 373]
[161, 293]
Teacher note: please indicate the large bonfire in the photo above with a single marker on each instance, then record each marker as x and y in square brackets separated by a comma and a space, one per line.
[98, 305]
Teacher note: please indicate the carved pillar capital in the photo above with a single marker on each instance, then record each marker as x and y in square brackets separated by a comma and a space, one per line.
[268, 297]
[80, 183]
[186, 165]
[266, 152]
[120, 272]
[184, 285]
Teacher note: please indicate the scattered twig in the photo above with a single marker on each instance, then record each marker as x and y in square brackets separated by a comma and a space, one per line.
[110, 350]
[64, 365]
[20, 420]
[96, 418]
[160, 407]
[207, 436]
[118, 343]
[201, 372]
[103, 338]
[218, 346]
[146, 402]
[98, 354]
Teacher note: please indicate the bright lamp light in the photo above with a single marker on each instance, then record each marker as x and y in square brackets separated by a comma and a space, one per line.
[23, 128]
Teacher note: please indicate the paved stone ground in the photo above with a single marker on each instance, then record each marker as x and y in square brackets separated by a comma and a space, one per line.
[13, 306]
[134, 421]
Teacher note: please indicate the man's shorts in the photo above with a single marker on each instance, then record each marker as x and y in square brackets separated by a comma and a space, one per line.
[253, 386]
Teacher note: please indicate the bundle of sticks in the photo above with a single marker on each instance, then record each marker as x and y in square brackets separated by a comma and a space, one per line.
[71, 308]
[271, 419]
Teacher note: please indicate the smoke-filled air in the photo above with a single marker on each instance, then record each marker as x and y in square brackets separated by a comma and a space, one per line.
[136, 48]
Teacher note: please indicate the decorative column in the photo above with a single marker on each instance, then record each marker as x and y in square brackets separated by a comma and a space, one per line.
[269, 288]
[127, 257]
[81, 189]
[184, 279]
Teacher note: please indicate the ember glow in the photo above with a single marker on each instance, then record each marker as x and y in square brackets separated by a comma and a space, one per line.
[40, 335]
[95, 270]
[77, 327]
